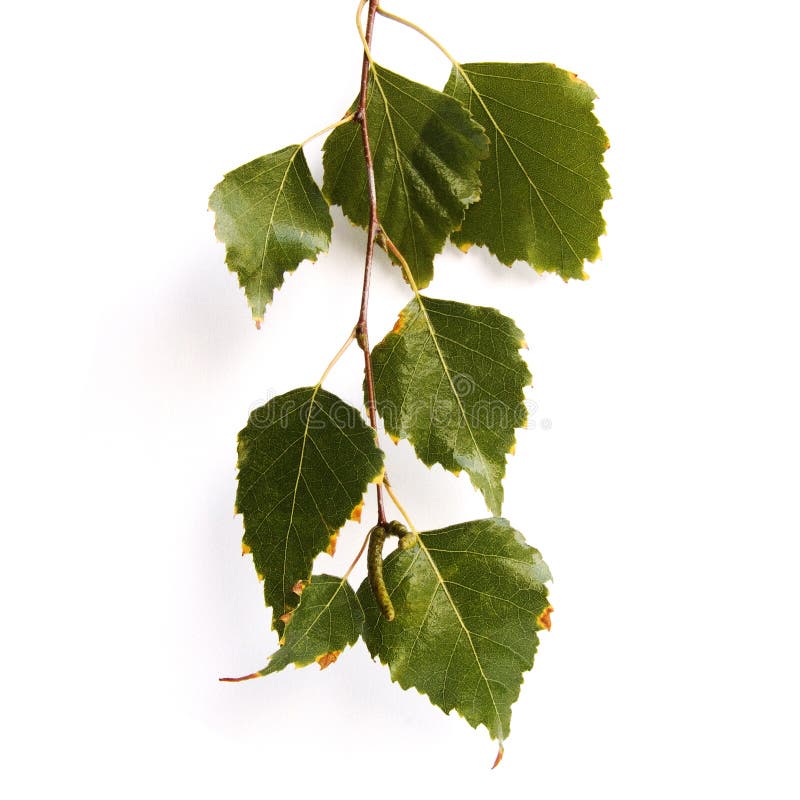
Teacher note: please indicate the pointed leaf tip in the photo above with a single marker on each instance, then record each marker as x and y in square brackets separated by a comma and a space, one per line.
[242, 678]
[500, 752]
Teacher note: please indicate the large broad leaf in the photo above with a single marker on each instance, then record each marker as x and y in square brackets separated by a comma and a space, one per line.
[305, 461]
[468, 603]
[426, 151]
[270, 216]
[450, 379]
[544, 183]
[328, 619]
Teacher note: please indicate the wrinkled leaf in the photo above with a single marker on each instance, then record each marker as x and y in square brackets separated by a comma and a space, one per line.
[469, 601]
[270, 215]
[426, 151]
[328, 619]
[450, 379]
[305, 461]
[544, 183]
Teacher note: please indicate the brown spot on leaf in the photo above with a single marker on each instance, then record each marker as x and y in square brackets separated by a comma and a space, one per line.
[543, 619]
[326, 660]
[331, 548]
[258, 323]
[298, 587]
[400, 324]
[356, 515]
[286, 618]
[575, 79]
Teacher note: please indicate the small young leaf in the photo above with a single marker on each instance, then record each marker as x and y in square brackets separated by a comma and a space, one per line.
[328, 619]
[450, 379]
[544, 183]
[270, 216]
[426, 151]
[305, 461]
[468, 603]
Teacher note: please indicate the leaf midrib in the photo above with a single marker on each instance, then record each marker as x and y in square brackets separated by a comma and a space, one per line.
[432, 333]
[443, 584]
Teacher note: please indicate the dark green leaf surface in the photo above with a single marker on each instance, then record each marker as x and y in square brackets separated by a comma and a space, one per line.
[544, 183]
[469, 601]
[426, 150]
[328, 619]
[270, 217]
[305, 461]
[450, 379]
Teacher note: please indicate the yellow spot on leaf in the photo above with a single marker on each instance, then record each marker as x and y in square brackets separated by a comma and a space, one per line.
[543, 619]
[260, 576]
[326, 660]
[246, 549]
[523, 345]
[379, 477]
[331, 548]
[513, 450]
[395, 439]
[464, 247]
[356, 515]
[400, 324]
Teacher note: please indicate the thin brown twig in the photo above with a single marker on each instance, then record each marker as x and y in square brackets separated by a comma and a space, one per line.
[373, 228]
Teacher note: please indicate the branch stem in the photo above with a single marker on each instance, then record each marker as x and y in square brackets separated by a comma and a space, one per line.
[373, 228]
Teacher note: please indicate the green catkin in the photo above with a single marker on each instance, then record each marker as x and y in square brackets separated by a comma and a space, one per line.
[377, 537]
[407, 538]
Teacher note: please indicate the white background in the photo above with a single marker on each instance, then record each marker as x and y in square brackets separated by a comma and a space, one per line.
[663, 496]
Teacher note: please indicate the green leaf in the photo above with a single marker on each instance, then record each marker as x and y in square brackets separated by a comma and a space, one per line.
[468, 603]
[450, 379]
[426, 150]
[544, 183]
[328, 619]
[270, 215]
[305, 461]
